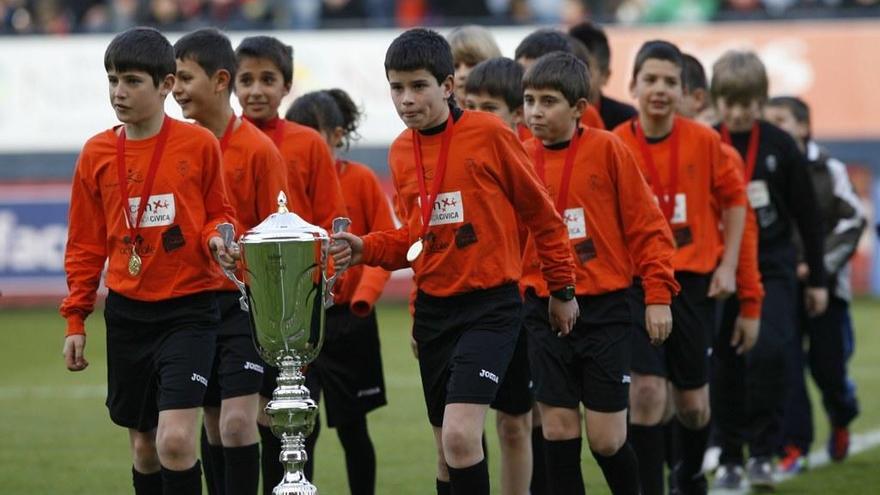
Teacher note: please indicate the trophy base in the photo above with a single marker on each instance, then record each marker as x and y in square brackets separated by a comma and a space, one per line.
[295, 488]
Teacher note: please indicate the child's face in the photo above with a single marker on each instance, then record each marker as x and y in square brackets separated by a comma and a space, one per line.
[738, 116]
[133, 95]
[419, 100]
[549, 115]
[260, 88]
[462, 70]
[484, 102]
[781, 117]
[194, 91]
[657, 88]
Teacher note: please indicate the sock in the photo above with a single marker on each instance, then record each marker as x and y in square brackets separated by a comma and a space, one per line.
[187, 482]
[538, 485]
[443, 488]
[271, 468]
[690, 479]
[621, 471]
[672, 439]
[311, 441]
[360, 457]
[564, 466]
[146, 484]
[472, 480]
[647, 443]
[213, 465]
[243, 469]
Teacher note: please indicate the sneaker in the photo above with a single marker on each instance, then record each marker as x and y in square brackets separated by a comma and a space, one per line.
[793, 462]
[728, 477]
[760, 471]
[838, 444]
[711, 459]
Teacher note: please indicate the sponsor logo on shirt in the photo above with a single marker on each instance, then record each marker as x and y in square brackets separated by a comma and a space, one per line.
[771, 163]
[448, 208]
[489, 375]
[680, 214]
[199, 378]
[369, 391]
[626, 379]
[251, 366]
[159, 211]
[574, 220]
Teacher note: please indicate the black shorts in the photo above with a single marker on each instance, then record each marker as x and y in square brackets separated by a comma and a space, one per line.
[591, 365]
[684, 357]
[515, 393]
[159, 355]
[349, 368]
[237, 369]
[465, 344]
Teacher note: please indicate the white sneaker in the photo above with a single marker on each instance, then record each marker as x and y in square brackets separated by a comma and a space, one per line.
[711, 459]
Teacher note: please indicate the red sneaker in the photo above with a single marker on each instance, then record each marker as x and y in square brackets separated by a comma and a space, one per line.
[793, 462]
[838, 444]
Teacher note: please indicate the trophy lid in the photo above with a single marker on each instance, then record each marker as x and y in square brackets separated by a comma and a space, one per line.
[284, 226]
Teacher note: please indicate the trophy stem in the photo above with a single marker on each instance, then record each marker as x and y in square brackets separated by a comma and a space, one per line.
[292, 415]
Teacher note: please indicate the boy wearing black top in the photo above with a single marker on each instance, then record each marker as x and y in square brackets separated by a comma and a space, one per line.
[750, 390]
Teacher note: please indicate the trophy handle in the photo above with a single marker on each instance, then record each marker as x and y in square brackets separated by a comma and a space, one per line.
[227, 233]
[340, 224]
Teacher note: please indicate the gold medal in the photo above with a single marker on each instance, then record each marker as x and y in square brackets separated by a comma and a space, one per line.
[134, 263]
[414, 251]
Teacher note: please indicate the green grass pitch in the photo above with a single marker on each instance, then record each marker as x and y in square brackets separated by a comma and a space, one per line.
[55, 435]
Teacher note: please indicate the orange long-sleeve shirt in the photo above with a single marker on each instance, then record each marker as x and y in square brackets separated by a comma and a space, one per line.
[704, 177]
[187, 201]
[254, 174]
[369, 211]
[472, 241]
[615, 230]
[749, 289]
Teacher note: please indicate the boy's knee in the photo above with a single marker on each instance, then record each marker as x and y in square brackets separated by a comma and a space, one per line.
[606, 443]
[175, 444]
[144, 453]
[694, 417]
[514, 429]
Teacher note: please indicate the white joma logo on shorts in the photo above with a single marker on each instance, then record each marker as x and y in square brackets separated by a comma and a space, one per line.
[251, 366]
[626, 379]
[369, 391]
[489, 375]
[199, 378]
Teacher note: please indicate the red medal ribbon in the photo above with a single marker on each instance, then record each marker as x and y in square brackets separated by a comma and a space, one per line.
[752, 152]
[665, 195]
[427, 202]
[568, 167]
[148, 182]
[227, 134]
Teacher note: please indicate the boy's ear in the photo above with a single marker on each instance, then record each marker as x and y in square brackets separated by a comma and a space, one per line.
[287, 87]
[448, 86]
[632, 89]
[166, 85]
[580, 107]
[519, 116]
[222, 79]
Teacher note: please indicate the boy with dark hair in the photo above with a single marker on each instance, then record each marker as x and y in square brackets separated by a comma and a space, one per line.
[495, 86]
[613, 112]
[750, 393]
[459, 236]
[844, 221]
[264, 77]
[254, 175]
[542, 42]
[616, 231]
[151, 194]
[689, 176]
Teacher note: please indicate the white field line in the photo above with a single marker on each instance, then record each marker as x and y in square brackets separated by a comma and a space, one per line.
[53, 392]
[818, 459]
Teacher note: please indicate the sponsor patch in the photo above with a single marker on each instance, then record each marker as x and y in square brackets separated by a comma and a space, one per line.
[465, 236]
[759, 195]
[683, 236]
[173, 239]
[680, 214]
[585, 250]
[448, 208]
[160, 210]
[576, 223]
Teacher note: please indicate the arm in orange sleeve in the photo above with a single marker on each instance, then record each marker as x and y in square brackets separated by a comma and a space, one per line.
[729, 191]
[387, 248]
[217, 207]
[373, 278]
[535, 209]
[325, 192]
[86, 250]
[749, 289]
[645, 229]
[271, 179]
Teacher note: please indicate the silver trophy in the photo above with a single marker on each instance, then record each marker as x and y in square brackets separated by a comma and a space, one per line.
[286, 290]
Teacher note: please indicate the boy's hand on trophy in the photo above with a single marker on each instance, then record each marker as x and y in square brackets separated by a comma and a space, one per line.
[74, 352]
[346, 249]
[224, 256]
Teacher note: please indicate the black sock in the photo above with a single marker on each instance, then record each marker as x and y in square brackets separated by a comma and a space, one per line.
[690, 478]
[311, 441]
[647, 442]
[243, 468]
[186, 482]
[621, 471]
[564, 466]
[271, 468]
[443, 488]
[538, 485]
[213, 465]
[472, 480]
[146, 484]
[360, 457]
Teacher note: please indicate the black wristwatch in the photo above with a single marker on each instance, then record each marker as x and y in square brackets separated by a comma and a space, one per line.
[564, 294]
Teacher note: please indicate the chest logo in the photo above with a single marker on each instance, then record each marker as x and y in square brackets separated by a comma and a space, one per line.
[448, 208]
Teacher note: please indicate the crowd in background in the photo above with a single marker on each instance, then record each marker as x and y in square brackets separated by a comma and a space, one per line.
[89, 16]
